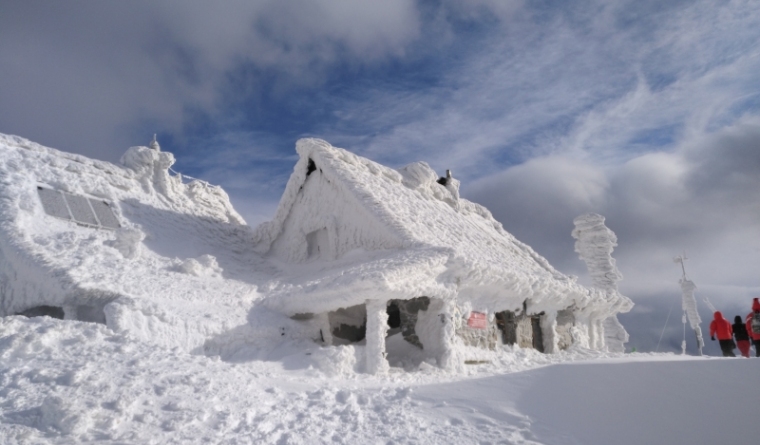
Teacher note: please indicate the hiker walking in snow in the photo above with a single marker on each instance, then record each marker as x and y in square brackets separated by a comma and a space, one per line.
[753, 325]
[741, 336]
[722, 328]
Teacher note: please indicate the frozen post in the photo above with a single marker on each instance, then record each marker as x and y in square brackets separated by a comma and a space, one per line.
[377, 327]
[689, 306]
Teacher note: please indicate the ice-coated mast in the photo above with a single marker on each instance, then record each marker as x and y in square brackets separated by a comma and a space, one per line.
[689, 305]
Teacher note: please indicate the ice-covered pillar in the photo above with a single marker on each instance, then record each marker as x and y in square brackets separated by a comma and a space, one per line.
[594, 245]
[581, 332]
[436, 329]
[377, 328]
[323, 322]
[549, 331]
[597, 333]
[449, 359]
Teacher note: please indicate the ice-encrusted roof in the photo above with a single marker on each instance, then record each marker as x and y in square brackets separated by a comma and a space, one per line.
[177, 271]
[443, 244]
[183, 267]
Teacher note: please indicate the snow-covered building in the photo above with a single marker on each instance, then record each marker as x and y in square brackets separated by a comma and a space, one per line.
[356, 253]
[366, 243]
[127, 245]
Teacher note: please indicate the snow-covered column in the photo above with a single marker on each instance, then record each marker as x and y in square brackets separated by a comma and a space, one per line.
[592, 333]
[549, 330]
[436, 329]
[597, 333]
[377, 328]
[323, 322]
[449, 358]
[580, 332]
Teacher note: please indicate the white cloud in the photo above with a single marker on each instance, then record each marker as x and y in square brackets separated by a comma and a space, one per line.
[85, 79]
[642, 112]
[700, 198]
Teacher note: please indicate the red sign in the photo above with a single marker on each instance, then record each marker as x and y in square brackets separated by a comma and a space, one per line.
[477, 320]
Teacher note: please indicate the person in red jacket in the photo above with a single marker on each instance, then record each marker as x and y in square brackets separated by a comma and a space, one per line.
[754, 333]
[722, 328]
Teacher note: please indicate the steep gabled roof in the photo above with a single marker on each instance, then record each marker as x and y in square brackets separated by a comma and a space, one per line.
[483, 262]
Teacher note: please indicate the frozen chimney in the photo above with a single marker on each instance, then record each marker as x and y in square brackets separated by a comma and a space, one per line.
[154, 144]
[443, 181]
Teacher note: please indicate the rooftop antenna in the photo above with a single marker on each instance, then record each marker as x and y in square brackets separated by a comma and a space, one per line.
[154, 144]
[445, 180]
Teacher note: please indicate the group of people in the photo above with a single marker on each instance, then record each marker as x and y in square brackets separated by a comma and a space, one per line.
[742, 332]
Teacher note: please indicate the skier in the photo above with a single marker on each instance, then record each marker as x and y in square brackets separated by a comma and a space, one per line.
[741, 336]
[722, 328]
[753, 325]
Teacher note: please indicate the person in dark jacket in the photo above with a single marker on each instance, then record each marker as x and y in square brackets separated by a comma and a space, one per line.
[722, 328]
[741, 336]
[755, 336]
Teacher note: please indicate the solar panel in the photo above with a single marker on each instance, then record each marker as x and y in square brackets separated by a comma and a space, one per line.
[80, 209]
[105, 214]
[87, 211]
[53, 203]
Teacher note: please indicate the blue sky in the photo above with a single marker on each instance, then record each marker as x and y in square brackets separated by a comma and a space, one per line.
[647, 112]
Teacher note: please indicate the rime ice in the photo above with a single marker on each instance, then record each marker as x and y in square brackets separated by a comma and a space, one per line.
[351, 242]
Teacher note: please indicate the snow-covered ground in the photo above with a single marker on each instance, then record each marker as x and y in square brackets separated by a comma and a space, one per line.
[66, 381]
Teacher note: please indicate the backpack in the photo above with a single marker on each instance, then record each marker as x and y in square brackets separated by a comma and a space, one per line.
[755, 323]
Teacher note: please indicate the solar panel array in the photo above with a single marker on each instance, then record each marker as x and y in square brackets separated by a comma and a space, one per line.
[87, 211]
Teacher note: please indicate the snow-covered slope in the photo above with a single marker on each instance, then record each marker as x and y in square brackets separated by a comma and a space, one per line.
[72, 382]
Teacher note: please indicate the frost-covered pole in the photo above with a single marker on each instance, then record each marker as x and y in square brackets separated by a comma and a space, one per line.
[689, 305]
[594, 245]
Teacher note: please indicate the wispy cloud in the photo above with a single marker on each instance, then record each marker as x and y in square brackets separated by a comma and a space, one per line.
[645, 111]
[699, 197]
[587, 81]
[93, 78]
